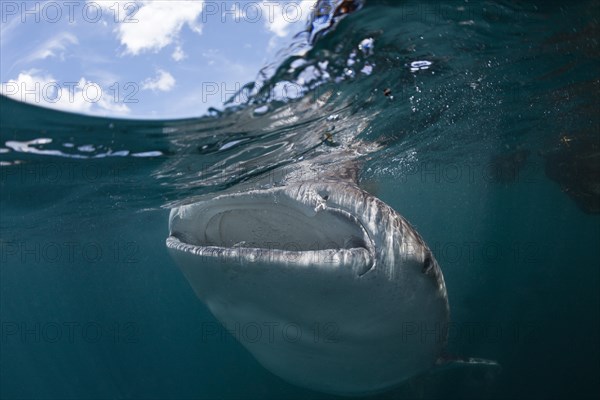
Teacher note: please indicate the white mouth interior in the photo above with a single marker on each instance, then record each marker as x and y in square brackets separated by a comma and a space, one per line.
[272, 226]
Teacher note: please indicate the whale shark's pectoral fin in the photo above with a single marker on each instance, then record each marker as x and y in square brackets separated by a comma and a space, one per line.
[486, 369]
[474, 376]
[477, 371]
[456, 361]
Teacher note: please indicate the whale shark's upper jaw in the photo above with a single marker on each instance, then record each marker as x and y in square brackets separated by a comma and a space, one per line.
[316, 254]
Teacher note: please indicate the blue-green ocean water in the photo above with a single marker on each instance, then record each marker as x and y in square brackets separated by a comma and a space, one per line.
[486, 139]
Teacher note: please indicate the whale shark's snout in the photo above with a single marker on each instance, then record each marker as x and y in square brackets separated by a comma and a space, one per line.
[340, 293]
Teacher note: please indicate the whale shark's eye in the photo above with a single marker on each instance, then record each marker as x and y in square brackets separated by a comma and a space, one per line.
[324, 195]
[354, 242]
[427, 264]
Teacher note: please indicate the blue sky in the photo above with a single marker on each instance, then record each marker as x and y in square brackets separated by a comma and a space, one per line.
[140, 59]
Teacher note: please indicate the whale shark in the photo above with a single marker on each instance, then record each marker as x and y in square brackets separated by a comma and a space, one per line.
[327, 286]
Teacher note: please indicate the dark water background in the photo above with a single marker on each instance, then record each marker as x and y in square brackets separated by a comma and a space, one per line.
[490, 148]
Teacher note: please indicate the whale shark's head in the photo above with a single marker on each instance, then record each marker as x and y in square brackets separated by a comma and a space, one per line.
[344, 294]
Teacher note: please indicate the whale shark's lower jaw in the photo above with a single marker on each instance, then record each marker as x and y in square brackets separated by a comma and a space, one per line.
[327, 287]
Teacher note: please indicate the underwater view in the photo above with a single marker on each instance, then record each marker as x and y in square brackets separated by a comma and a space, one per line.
[403, 203]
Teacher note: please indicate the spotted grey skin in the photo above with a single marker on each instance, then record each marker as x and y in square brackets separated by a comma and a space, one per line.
[327, 286]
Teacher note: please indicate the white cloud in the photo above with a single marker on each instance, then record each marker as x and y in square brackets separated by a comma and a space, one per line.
[53, 47]
[33, 86]
[279, 16]
[178, 54]
[163, 81]
[236, 12]
[156, 24]
[8, 27]
[274, 18]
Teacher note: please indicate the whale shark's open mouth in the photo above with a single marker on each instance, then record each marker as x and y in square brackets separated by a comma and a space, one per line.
[245, 225]
[269, 224]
